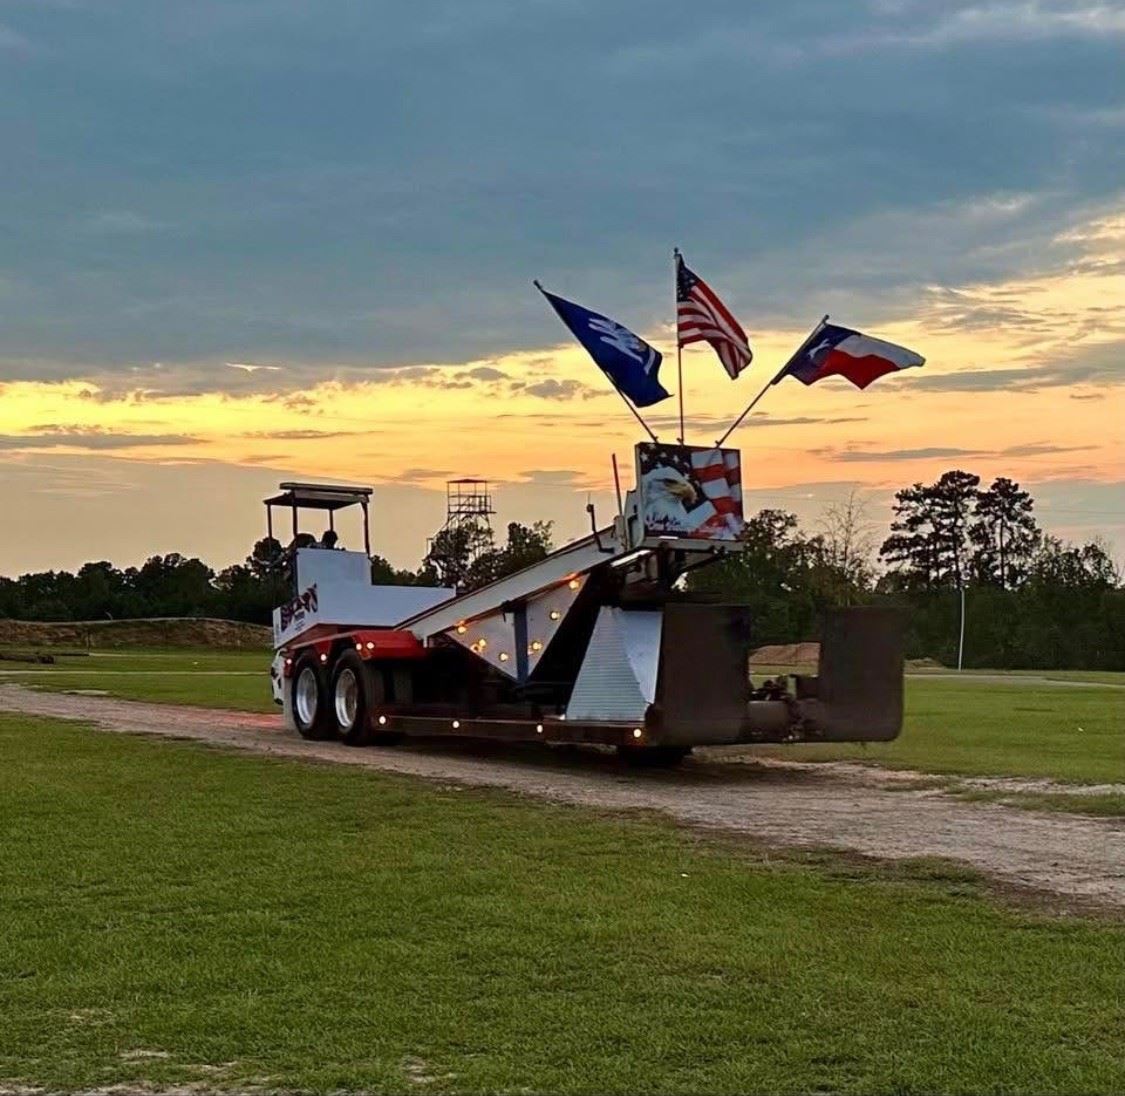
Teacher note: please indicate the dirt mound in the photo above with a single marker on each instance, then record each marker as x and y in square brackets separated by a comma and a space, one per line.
[786, 654]
[157, 632]
[924, 664]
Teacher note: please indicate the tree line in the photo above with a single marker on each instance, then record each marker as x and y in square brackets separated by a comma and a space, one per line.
[1032, 601]
[174, 585]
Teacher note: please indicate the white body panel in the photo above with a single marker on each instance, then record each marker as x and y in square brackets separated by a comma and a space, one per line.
[335, 588]
[617, 681]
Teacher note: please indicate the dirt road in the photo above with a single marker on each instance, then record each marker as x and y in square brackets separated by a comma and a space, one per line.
[835, 806]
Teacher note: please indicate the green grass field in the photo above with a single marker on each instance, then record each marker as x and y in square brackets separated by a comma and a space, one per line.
[177, 915]
[1058, 732]
[205, 678]
[964, 728]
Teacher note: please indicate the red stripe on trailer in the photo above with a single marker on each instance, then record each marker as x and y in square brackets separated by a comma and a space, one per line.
[387, 643]
[322, 648]
[369, 642]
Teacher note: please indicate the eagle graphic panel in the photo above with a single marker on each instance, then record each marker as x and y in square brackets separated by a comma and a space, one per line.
[690, 491]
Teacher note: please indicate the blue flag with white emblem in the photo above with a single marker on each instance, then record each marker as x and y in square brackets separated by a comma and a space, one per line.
[629, 362]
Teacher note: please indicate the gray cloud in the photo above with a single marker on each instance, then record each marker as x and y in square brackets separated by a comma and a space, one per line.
[287, 383]
[552, 389]
[93, 440]
[13, 41]
[1042, 450]
[759, 418]
[999, 21]
[264, 459]
[419, 475]
[242, 220]
[1107, 368]
[302, 435]
[857, 456]
[487, 373]
[120, 221]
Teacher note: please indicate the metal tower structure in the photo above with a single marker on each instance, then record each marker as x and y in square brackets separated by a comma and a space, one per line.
[468, 502]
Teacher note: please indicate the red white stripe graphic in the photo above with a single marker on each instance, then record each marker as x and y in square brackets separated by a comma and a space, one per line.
[719, 473]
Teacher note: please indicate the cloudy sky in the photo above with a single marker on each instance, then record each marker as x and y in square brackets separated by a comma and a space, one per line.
[243, 240]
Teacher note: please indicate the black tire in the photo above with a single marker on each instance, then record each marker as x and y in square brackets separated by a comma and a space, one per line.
[652, 757]
[308, 698]
[358, 691]
[353, 695]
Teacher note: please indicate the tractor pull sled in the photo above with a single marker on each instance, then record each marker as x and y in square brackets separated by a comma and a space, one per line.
[596, 643]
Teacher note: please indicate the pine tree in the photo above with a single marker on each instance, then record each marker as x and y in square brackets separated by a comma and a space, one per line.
[1004, 534]
[929, 541]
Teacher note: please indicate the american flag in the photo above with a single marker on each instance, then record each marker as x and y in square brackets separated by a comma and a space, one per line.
[702, 317]
[719, 473]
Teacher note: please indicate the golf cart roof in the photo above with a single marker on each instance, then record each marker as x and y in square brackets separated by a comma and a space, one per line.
[319, 496]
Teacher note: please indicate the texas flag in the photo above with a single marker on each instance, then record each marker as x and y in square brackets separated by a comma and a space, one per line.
[834, 351]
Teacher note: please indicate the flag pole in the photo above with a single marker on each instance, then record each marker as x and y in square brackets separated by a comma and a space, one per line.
[676, 329]
[636, 413]
[773, 380]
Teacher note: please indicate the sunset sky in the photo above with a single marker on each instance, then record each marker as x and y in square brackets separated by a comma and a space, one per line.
[244, 241]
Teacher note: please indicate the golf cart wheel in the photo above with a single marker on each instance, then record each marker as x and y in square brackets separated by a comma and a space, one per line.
[309, 699]
[357, 693]
[652, 757]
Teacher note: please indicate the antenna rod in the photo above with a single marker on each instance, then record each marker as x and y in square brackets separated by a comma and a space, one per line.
[617, 487]
[676, 330]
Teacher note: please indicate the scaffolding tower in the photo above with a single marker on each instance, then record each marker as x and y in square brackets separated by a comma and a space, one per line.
[468, 502]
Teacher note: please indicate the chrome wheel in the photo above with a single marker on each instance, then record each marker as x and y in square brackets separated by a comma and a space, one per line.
[346, 698]
[306, 696]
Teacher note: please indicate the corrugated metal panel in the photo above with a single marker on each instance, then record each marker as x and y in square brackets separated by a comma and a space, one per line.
[617, 681]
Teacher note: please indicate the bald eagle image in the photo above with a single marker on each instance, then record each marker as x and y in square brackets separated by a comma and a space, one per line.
[668, 494]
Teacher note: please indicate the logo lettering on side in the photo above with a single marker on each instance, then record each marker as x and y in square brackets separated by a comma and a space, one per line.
[293, 612]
